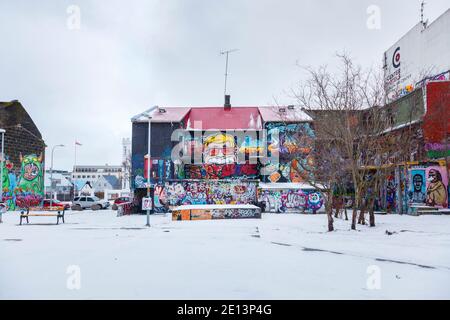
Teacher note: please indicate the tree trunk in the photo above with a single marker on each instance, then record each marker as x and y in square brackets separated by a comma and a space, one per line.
[354, 218]
[372, 213]
[329, 209]
[361, 219]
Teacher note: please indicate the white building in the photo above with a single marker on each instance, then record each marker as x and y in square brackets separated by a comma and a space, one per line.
[59, 186]
[91, 173]
[107, 183]
[423, 52]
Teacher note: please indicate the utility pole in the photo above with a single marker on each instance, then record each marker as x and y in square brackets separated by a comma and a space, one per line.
[51, 175]
[227, 52]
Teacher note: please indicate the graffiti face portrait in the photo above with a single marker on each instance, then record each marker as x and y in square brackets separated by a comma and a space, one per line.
[436, 190]
[434, 176]
[219, 149]
[418, 182]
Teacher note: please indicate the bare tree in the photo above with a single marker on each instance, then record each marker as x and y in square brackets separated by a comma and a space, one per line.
[343, 105]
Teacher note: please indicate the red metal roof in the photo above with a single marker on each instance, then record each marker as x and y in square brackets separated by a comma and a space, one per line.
[217, 118]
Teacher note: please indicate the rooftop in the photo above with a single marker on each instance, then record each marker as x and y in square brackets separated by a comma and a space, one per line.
[216, 117]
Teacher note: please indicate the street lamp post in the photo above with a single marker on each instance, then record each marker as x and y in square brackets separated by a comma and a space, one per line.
[2, 159]
[51, 175]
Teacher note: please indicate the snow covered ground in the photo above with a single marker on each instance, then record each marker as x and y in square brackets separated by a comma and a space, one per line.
[276, 257]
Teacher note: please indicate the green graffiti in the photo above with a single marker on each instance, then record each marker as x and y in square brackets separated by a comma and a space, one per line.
[436, 154]
[5, 177]
[31, 175]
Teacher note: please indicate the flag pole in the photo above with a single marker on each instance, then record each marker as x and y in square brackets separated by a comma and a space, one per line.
[74, 170]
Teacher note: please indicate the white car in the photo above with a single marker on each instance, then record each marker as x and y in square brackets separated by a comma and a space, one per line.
[91, 202]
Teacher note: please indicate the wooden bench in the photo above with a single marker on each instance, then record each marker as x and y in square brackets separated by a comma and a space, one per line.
[58, 213]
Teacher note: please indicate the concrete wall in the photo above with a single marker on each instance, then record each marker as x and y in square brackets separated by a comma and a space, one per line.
[419, 53]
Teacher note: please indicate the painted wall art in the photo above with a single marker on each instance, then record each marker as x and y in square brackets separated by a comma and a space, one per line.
[216, 214]
[25, 189]
[293, 144]
[203, 192]
[290, 200]
[437, 183]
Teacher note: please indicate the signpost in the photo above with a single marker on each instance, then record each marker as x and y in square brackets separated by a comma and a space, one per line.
[147, 203]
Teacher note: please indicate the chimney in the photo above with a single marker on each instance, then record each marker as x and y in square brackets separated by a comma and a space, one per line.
[227, 105]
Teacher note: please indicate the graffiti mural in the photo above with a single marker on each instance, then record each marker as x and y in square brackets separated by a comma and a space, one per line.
[290, 200]
[417, 193]
[293, 144]
[202, 192]
[215, 214]
[219, 148]
[217, 171]
[391, 193]
[437, 181]
[26, 189]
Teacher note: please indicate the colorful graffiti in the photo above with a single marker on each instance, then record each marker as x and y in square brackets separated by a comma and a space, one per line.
[437, 182]
[217, 171]
[437, 150]
[417, 193]
[293, 143]
[391, 193]
[215, 214]
[429, 185]
[27, 189]
[192, 193]
[289, 171]
[219, 148]
[290, 200]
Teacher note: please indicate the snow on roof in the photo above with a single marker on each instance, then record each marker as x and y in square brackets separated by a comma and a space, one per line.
[81, 183]
[284, 114]
[113, 181]
[215, 206]
[286, 185]
[58, 179]
[163, 114]
[217, 118]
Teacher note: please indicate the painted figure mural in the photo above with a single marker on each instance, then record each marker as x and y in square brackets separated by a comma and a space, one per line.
[219, 148]
[436, 189]
[293, 143]
[417, 192]
[26, 189]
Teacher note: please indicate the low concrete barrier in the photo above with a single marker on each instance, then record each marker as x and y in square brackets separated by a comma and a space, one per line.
[212, 212]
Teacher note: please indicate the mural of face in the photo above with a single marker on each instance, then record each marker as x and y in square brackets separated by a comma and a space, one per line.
[31, 176]
[436, 190]
[219, 149]
[418, 182]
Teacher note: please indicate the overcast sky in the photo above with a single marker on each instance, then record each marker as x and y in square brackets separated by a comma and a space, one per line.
[86, 83]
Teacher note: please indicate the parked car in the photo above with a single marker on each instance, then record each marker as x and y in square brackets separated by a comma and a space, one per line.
[55, 203]
[91, 202]
[120, 201]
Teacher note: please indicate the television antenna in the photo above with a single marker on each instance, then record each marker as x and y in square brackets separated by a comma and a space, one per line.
[226, 52]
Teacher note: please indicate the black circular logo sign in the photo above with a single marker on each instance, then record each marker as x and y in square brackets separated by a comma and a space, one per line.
[396, 58]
